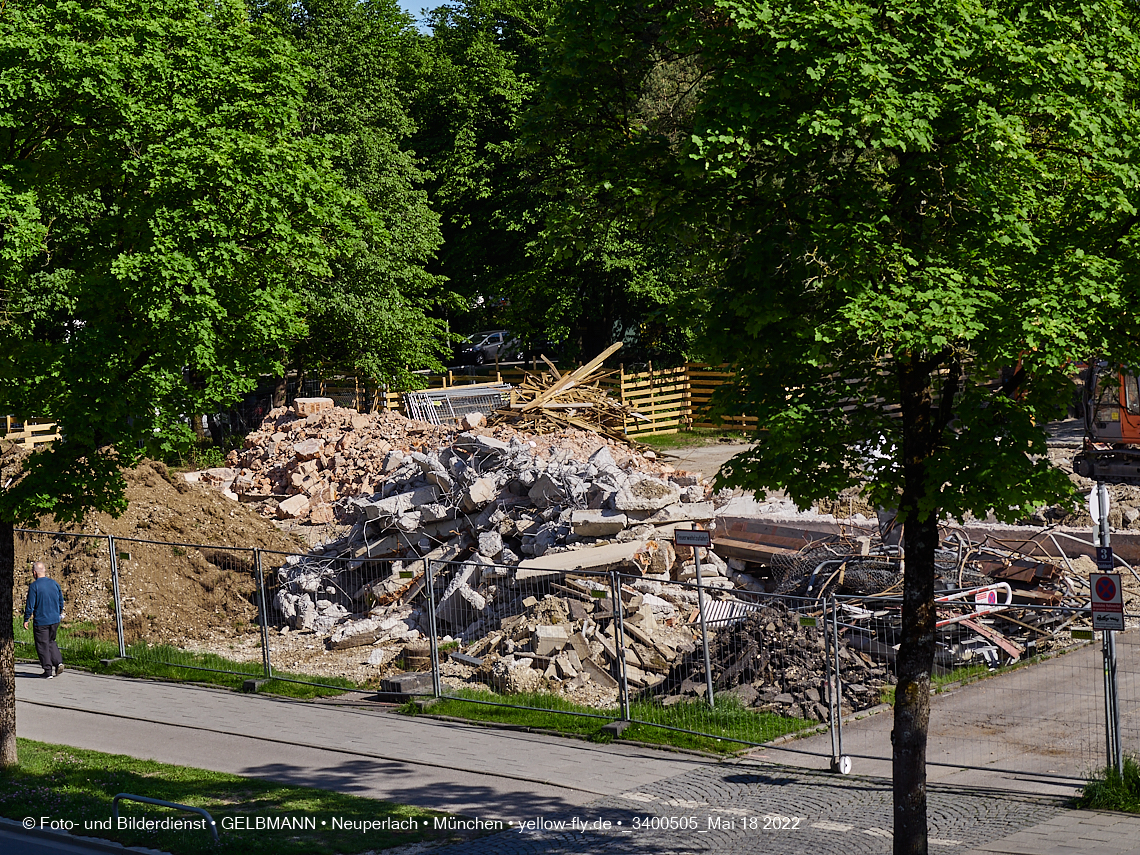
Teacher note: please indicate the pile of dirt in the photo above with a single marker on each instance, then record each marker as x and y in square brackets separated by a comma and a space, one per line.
[169, 592]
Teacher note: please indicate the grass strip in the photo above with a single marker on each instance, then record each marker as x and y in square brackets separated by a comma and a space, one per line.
[1112, 790]
[166, 662]
[727, 725]
[70, 785]
[689, 438]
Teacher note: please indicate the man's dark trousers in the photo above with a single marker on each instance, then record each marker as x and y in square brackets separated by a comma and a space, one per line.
[46, 648]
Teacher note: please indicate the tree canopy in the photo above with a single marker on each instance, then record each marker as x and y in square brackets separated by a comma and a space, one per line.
[378, 311]
[157, 211]
[549, 255]
[901, 200]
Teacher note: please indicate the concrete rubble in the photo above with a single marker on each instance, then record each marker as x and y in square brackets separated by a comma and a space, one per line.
[520, 530]
[510, 517]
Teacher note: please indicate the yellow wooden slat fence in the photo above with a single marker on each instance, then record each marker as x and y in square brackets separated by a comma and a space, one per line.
[31, 433]
[667, 400]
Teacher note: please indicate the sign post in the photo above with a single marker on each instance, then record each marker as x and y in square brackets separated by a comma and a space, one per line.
[1107, 604]
[698, 538]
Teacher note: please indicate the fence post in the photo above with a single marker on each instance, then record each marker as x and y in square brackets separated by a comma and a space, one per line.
[827, 670]
[1117, 741]
[116, 595]
[619, 637]
[263, 607]
[433, 641]
[704, 627]
[840, 763]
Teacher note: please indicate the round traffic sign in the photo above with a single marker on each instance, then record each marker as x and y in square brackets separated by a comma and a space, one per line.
[1105, 589]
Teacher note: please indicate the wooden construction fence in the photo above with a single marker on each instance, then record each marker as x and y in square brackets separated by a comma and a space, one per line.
[30, 434]
[668, 400]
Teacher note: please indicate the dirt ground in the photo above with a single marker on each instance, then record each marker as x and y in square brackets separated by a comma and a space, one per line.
[169, 592]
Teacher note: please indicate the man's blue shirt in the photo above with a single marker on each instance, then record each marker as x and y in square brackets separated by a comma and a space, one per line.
[45, 602]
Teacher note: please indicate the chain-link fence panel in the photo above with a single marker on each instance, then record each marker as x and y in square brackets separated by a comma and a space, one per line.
[81, 563]
[1017, 687]
[334, 621]
[767, 660]
[199, 615]
[546, 641]
[1128, 687]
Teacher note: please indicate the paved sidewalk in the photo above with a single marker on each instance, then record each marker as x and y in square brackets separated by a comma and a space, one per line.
[553, 795]
[368, 752]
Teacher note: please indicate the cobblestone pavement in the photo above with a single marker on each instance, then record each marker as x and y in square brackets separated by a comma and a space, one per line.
[766, 810]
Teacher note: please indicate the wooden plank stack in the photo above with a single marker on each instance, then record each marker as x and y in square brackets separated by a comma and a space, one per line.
[550, 401]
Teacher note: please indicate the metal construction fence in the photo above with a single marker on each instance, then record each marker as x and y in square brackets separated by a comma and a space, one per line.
[809, 676]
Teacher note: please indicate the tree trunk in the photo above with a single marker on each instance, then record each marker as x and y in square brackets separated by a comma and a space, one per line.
[912, 694]
[279, 392]
[916, 648]
[7, 646]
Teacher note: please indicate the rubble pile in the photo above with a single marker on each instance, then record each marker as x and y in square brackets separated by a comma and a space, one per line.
[770, 662]
[304, 463]
[510, 535]
[513, 512]
[569, 643]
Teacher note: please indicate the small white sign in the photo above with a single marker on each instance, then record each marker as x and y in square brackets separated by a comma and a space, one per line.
[692, 537]
[1107, 601]
[1094, 504]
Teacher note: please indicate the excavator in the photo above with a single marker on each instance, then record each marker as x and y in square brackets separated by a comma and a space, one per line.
[1111, 452]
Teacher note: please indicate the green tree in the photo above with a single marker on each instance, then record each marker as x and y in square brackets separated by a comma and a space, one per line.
[374, 314]
[157, 208]
[903, 199]
[549, 255]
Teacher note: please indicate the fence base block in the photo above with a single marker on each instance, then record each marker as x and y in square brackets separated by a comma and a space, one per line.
[425, 704]
[616, 728]
[253, 685]
[109, 661]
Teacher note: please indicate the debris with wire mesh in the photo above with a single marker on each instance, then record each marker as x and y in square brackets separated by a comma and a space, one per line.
[987, 591]
[449, 406]
[774, 659]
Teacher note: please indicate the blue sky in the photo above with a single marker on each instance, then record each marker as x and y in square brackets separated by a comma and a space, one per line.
[413, 7]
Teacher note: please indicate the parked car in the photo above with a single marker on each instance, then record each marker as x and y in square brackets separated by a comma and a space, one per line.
[485, 347]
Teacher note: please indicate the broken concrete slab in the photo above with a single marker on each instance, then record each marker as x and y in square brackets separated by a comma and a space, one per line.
[692, 512]
[461, 604]
[548, 640]
[309, 449]
[473, 420]
[598, 674]
[478, 494]
[546, 491]
[597, 523]
[646, 494]
[415, 683]
[589, 558]
[490, 543]
[293, 507]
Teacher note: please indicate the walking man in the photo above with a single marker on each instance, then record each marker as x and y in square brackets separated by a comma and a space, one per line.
[45, 606]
